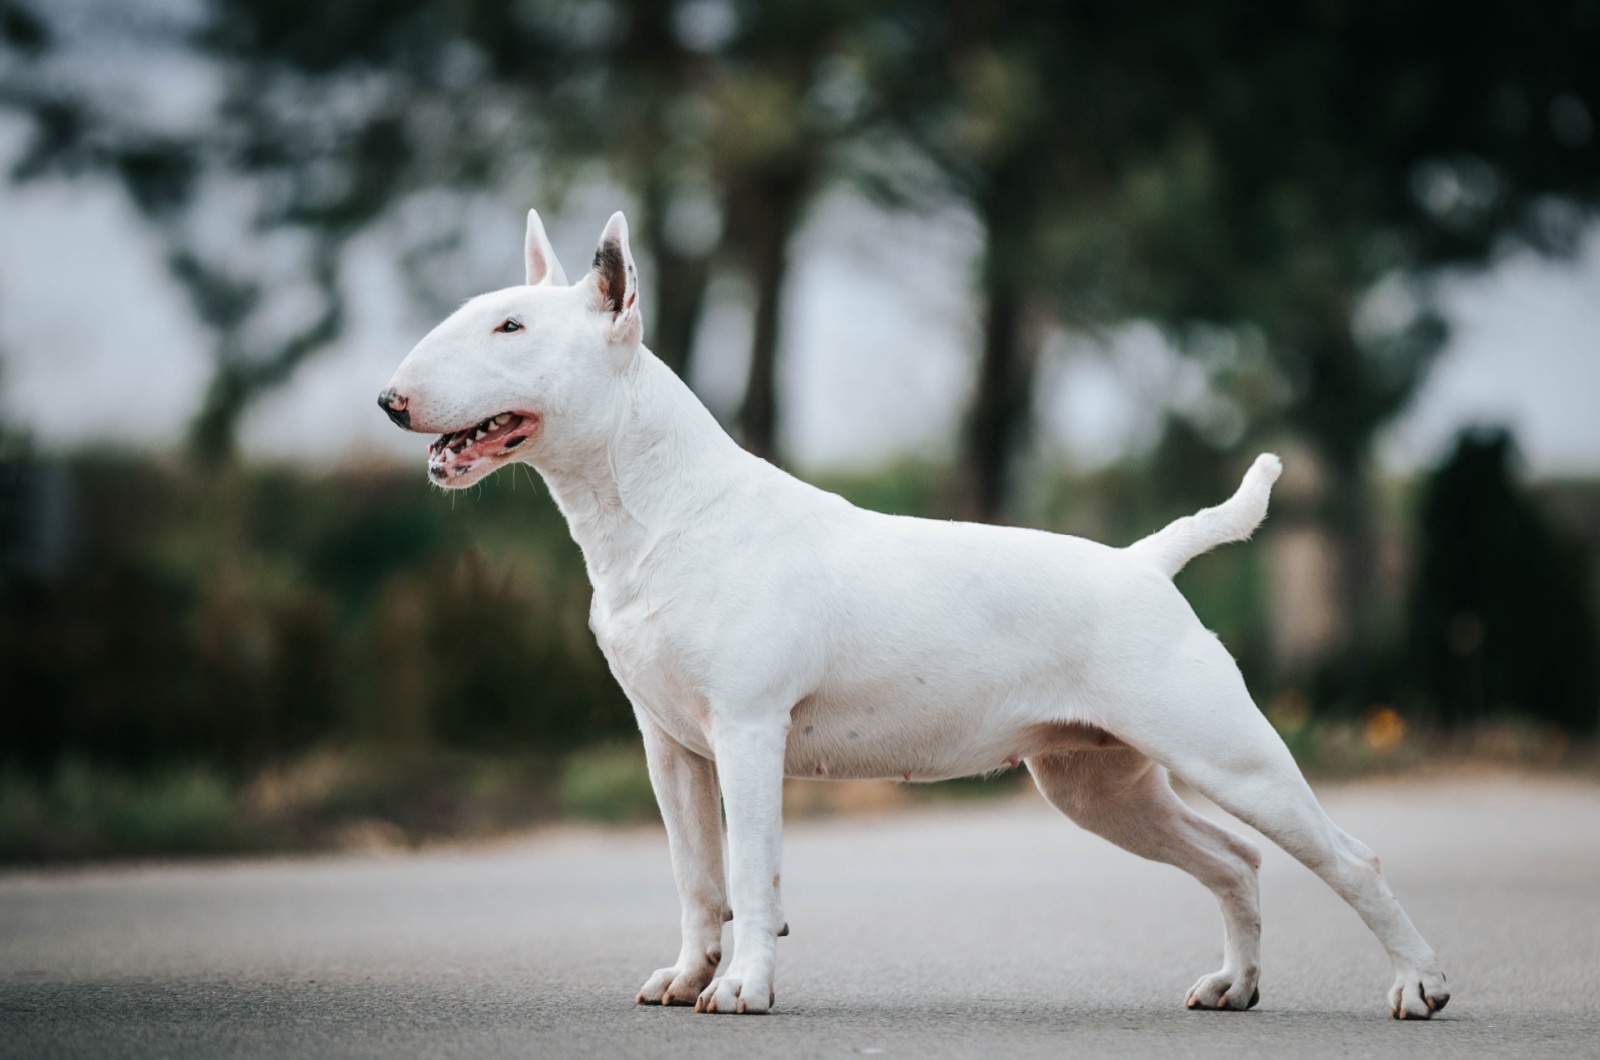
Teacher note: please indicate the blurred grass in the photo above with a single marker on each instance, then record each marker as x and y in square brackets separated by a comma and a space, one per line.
[80, 811]
[325, 800]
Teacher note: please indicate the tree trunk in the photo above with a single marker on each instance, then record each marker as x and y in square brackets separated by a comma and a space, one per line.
[239, 381]
[1341, 410]
[673, 316]
[1351, 523]
[999, 420]
[769, 212]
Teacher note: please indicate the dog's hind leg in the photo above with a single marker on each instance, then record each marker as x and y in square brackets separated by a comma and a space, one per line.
[1196, 718]
[1125, 797]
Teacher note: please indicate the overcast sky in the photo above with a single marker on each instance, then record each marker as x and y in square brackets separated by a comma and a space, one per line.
[97, 345]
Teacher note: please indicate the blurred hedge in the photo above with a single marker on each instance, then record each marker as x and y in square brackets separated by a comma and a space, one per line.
[241, 617]
[316, 650]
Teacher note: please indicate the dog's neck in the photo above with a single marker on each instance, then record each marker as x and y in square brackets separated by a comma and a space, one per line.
[663, 457]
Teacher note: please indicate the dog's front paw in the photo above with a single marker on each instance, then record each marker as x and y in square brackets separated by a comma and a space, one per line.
[1418, 995]
[678, 985]
[1225, 990]
[739, 995]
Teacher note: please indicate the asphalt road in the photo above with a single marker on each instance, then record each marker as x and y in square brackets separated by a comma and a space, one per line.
[992, 930]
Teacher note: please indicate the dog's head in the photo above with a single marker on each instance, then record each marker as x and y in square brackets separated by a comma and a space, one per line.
[526, 373]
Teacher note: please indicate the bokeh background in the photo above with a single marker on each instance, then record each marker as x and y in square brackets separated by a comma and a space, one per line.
[1065, 265]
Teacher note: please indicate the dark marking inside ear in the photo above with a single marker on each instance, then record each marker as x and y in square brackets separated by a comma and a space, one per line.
[612, 272]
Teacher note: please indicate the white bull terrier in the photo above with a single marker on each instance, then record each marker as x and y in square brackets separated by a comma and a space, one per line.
[763, 628]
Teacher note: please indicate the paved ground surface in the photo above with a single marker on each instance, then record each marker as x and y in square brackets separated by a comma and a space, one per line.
[993, 931]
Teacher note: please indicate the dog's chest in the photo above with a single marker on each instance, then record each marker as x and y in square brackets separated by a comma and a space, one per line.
[648, 662]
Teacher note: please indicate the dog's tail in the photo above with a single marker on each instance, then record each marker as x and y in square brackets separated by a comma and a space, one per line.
[1235, 519]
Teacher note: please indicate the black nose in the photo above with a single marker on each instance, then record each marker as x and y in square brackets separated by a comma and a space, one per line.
[394, 406]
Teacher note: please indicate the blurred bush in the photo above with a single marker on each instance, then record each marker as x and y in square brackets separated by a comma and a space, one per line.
[241, 618]
[78, 810]
[608, 784]
[248, 658]
[1502, 612]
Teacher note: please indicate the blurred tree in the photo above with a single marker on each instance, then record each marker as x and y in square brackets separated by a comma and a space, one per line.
[1323, 163]
[1032, 112]
[789, 98]
[651, 127]
[181, 176]
[724, 117]
[1273, 188]
[1283, 181]
[1501, 623]
[21, 28]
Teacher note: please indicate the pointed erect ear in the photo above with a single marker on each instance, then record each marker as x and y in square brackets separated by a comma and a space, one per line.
[616, 280]
[543, 268]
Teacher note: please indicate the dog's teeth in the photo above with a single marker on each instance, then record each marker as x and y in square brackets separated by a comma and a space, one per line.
[502, 419]
[480, 434]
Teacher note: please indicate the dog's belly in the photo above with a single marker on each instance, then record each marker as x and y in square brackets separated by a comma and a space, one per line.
[921, 742]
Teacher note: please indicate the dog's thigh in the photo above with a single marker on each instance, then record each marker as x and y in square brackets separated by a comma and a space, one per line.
[1124, 796]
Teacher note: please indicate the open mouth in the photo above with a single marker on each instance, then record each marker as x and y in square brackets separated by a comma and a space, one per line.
[458, 452]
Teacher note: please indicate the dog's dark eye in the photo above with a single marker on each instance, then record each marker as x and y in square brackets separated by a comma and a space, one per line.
[509, 326]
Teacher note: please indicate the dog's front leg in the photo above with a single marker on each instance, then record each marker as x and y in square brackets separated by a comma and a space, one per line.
[686, 790]
[750, 767]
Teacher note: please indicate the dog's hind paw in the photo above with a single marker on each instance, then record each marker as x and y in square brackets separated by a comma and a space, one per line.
[1418, 995]
[1225, 990]
[676, 985]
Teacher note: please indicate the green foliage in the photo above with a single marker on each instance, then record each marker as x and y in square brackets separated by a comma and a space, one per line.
[77, 810]
[244, 617]
[318, 799]
[608, 784]
[907, 488]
